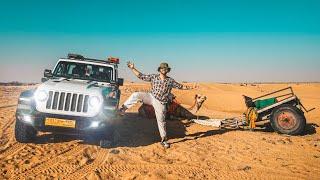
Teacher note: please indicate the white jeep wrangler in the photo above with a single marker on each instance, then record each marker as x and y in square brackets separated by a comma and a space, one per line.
[80, 96]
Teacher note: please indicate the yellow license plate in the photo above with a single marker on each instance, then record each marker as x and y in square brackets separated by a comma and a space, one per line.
[60, 122]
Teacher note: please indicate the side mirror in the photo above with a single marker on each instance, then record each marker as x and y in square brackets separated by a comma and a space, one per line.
[44, 79]
[120, 81]
[47, 73]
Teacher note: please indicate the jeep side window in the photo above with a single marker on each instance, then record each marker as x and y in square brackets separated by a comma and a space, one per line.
[88, 71]
[60, 69]
[71, 70]
[108, 74]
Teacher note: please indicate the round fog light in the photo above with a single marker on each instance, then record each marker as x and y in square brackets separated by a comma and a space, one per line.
[94, 124]
[27, 118]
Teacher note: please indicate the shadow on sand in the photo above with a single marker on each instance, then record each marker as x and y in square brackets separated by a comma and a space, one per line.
[49, 138]
[135, 131]
[310, 128]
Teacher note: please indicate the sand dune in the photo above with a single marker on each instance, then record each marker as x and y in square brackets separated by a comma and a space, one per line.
[197, 152]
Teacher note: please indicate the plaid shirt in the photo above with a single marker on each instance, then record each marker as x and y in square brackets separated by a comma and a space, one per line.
[160, 89]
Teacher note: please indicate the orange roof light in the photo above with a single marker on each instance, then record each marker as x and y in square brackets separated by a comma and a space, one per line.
[113, 60]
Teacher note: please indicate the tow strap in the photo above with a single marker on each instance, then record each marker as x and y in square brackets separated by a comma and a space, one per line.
[233, 123]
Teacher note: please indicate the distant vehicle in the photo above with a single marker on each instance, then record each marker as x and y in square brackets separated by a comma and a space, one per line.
[80, 96]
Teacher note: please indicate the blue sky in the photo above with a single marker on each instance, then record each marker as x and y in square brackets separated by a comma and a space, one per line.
[212, 41]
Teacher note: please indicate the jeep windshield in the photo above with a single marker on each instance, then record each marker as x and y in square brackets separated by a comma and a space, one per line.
[76, 70]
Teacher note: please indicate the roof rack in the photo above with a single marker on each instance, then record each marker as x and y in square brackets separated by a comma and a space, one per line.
[75, 56]
[111, 60]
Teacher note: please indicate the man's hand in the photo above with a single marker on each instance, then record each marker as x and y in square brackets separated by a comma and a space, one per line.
[134, 70]
[130, 65]
[194, 86]
[185, 87]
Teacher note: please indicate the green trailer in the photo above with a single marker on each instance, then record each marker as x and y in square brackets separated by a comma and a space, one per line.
[283, 108]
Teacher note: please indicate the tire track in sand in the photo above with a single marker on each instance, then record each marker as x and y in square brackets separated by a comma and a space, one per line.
[88, 168]
[179, 169]
[6, 126]
[221, 159]
[50, 162]
[8, 123]
[44, 160]
[12, 150]
[8, 106]
[6, 149]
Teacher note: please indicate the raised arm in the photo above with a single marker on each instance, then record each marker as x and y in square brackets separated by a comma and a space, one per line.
[134, 70]
[177, 85]
[138, 73]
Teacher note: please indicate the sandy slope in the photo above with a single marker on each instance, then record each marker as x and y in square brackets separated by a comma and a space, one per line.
[197, 152]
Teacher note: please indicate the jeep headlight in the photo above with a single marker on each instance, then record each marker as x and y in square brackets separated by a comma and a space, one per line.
[41, 95]
[95, 102]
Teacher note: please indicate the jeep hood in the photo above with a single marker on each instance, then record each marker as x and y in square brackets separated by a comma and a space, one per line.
[74, 85]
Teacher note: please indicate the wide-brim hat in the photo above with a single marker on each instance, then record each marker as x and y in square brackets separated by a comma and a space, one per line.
[164, 66]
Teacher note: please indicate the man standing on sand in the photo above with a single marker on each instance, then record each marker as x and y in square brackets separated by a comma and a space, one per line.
[161, 86]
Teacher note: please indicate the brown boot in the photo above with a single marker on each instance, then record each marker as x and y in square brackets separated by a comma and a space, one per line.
[165, 143]
[122, 110]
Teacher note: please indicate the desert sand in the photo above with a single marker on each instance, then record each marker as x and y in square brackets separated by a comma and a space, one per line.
[197, 152]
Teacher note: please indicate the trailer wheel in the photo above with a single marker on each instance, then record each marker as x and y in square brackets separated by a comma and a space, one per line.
[288, 119]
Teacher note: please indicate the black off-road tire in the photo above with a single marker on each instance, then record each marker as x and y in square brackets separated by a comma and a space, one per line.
[288, 119]
[24, 133]
[111, 140]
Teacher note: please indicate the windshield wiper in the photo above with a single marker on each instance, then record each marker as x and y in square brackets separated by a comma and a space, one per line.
[92, 83]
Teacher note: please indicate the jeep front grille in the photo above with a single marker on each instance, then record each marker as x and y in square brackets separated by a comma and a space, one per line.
[67, 101]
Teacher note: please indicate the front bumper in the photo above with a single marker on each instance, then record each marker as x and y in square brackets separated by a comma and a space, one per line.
[102, 122]
[83, 125]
